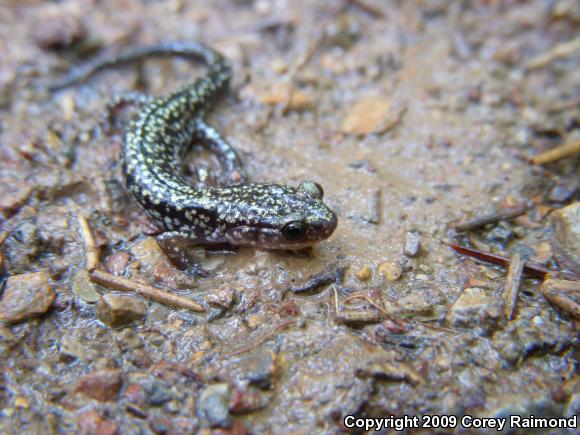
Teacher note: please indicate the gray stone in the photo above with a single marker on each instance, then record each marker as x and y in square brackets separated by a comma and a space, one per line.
[475, 308]
[157, 392]
[214, 405]
[412, 245]
[415, 304]
[84, 289]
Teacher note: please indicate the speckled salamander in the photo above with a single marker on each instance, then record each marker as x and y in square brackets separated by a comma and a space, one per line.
[264, 215]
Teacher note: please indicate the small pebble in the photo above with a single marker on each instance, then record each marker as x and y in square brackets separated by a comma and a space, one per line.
[475, 308]
[364, 273]
[167, 275]
[412, 245]
[117, 262]
[71, 349]
[21, 402]
[102, 385]
[563, 192]
[91, 422]
[221, 298]
[120, 310]
[415, 304]
[543, 253]
[243, 402]
[84, 289]
[214, 405]
[279, 66]
[391, 271]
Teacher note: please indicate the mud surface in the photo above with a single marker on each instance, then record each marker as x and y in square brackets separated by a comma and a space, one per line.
[413, 116]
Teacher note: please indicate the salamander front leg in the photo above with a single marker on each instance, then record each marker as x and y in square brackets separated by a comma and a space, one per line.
[179, 248]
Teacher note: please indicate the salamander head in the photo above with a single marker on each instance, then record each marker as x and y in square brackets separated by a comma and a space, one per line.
[273, 216]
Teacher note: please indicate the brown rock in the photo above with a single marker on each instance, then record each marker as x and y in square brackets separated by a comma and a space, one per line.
[117, 262]
[13, 197]
[120, 310]
[102, 385]
[26, 296]
[363, 274]
[391, 271]
[135, 394]
[58, 27]
[371, 115]
[163, 426]
[238, 428]
[244, 402]
[148, 252]
[91, 423]
[543, 253]
[167, 275]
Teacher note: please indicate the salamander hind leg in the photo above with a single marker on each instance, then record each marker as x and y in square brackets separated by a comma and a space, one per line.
[180, 249]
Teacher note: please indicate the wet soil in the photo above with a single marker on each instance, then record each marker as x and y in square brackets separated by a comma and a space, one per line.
[413, 116]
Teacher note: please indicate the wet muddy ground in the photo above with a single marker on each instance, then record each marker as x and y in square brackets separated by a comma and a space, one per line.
[414, 116]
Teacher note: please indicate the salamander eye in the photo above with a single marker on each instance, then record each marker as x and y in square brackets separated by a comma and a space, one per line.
[294, 230]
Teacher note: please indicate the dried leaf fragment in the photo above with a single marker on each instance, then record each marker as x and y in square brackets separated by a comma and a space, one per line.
[371, 115]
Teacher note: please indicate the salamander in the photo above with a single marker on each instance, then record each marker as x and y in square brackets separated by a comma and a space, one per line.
[238, 213]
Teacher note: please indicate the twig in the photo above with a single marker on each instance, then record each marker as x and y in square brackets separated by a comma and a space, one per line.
[333, 274]
[565, 150]
[490, 219]
[263, 25]
[564, 105]
[123, 284]
[354, 316]
[368, 8]
[369, 300]
[558, 292]
[261, 340]
[532, 269]
[90, 245]
[118, 283]
[512, 285]
[399, 322]
[375, 217]
[357, 317]
[559, 51]
[267, 117]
